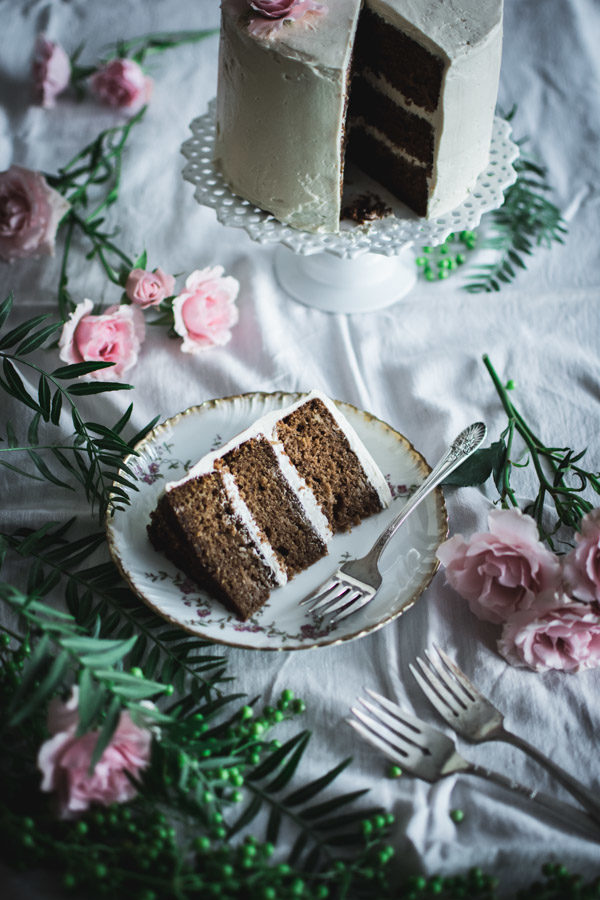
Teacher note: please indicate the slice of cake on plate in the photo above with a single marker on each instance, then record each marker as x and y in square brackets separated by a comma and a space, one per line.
[405, 88]
[249, 516]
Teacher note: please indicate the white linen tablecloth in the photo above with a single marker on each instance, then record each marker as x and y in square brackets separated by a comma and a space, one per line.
[416, 365]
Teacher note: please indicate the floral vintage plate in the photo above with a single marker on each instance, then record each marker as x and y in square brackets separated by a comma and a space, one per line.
[168, 452]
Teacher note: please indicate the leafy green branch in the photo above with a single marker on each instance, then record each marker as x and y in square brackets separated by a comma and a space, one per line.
[98, 599]
[526, 220]
[562, 481]
[93, 458]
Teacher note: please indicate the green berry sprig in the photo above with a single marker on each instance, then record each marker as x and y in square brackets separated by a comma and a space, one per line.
[437, 263]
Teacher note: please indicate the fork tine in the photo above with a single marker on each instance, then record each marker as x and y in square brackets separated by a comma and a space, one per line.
[395, 726]
[416, 725]
[442, 685]
[359, 600]
[338, 603]
[469, 689]
[321, 591]
[395, 755]
[432, 695]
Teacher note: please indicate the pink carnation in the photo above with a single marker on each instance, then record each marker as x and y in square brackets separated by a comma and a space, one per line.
[278, 12]
[581, 567]
[115, 336]
[64, 760]
[206, 310]
[51, 71]
[30, 212]
[122, 84]
[565, 637]
[503, 570]
[149, 288]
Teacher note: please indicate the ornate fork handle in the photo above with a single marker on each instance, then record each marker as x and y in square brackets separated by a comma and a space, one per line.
[584, 795]
[466, 443]
[567, 814]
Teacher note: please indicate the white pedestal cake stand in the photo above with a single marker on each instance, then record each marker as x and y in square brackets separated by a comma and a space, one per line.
[362, 267]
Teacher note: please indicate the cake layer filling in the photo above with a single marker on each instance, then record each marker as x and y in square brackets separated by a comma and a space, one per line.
[339, 481]
[406, 179]
[406, 130]
[277, 516]
[404, 63]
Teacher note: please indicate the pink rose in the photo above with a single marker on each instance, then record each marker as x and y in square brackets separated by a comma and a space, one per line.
[51, 71]
[502, 571]
[64, 760]
[581, 567]
[278, 12]
[273, 9]
[149, 288]
[206, 310]
[115, 336]
[566, 637]
[30, 212]
[122, 84]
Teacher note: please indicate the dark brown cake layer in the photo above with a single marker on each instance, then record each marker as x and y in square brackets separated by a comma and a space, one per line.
[407, 65]
[196, 528]
[274, 506]
[405, 180]
[323, 456]
[408, 131]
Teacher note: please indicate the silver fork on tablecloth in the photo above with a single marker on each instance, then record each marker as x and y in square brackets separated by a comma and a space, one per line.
[357, 581]
[471, 715]
[430, 754]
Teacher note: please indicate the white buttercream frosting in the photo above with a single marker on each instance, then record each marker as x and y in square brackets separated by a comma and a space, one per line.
[242, 512]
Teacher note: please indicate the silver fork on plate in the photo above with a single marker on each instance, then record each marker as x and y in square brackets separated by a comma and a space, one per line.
[471, 715]
[430, 754]
[357, 581]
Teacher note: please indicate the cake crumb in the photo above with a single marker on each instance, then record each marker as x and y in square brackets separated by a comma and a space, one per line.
[366, 208]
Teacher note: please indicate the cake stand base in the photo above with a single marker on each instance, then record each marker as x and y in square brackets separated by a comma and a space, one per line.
[339, 285]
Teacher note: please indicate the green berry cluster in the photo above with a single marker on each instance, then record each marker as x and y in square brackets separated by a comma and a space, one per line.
[474, 885]
[560, 884]
[438, 262]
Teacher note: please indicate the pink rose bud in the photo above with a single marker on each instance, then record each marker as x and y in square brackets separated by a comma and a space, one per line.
[273, 9]
[64, 760]
[581, 567]
[51, 71]
[566, 637]
[503, 570]
[206, 310]
[149, 288]
[122, 84]
[30, 212]
[114, 336]
[278, 12]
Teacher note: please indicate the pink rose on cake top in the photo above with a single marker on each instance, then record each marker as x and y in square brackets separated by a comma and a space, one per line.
[501, 571]
[205, 312]
[51, 71]
[30, 212]
[565, 637]
[64, 760]
[281, 12]
[582, 565]
[149, 288]
[115, 336]
[122, 84]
